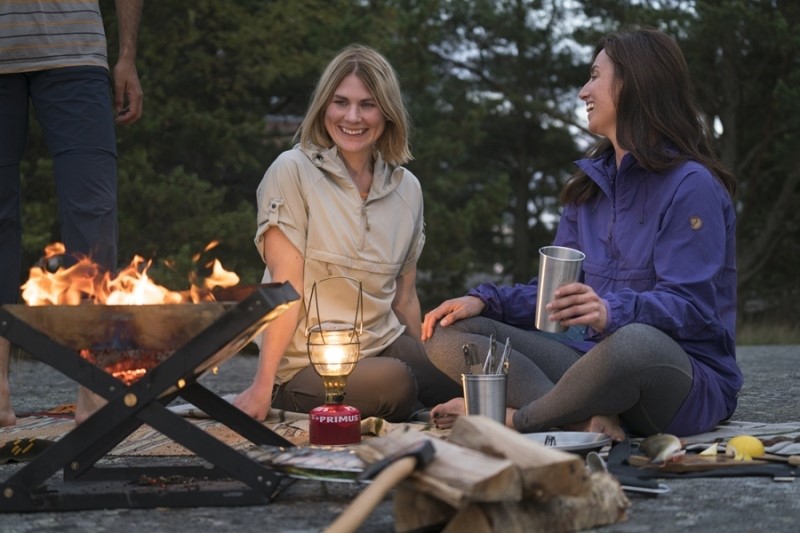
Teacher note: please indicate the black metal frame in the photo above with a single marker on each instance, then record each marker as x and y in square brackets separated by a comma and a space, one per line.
[233, 478]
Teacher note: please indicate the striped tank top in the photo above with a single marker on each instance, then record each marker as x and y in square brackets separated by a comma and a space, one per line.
[43, 35]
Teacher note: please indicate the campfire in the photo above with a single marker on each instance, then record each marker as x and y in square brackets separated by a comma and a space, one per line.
[86, 280]
[123, 352]
[143, 357]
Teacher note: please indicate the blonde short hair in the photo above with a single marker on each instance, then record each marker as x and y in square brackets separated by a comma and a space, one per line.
[381, 80]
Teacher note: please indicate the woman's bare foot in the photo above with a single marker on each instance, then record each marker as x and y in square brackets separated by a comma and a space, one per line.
[88, 403]
[445, 414]
[608, 425]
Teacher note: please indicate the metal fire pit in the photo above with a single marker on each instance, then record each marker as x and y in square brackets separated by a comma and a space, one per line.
[175, 344]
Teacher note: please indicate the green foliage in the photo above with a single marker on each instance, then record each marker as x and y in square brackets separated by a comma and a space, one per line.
[172, 217]
[491, 116]
[745, 56]
[491, 86]
[217, 77]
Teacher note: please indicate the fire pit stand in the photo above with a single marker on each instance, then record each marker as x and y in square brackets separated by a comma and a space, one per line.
[232, 479]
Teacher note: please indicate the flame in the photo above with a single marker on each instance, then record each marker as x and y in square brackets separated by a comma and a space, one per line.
[64, 286]
[220, 277]
[134, 287]
[54, 249]
[85, 280]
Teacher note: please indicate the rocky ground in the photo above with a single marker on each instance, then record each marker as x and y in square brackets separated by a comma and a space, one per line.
[771, 394]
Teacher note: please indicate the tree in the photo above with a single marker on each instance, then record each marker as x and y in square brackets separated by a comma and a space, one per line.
[225, 84]
[494, 145]
[491, 86]
[745, 56]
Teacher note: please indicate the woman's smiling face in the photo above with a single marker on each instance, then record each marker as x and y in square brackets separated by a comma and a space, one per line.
[600, 96]
[353, 119]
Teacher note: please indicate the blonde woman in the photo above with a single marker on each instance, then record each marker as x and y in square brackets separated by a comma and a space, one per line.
[339, 204]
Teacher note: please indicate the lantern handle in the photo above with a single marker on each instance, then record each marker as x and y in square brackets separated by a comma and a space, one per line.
[359, 306]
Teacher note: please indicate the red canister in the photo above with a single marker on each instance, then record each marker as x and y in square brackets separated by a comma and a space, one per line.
[334, 425]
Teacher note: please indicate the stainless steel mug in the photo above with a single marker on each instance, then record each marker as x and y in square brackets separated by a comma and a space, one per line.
[557, 266]
[485, 394]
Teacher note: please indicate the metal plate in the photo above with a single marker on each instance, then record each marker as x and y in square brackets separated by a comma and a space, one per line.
[571, 441]
[321, 463]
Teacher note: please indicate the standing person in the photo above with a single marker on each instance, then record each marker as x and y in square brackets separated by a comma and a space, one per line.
[340, 204]
[54, 55]
[651, 208]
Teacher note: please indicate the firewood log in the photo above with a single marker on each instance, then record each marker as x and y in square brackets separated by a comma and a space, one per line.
[457, 475]
[416, 511]
[546, 472]
[605, 503]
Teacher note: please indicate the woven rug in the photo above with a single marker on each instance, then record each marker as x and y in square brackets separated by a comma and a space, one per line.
[146, 441]
[783, 438]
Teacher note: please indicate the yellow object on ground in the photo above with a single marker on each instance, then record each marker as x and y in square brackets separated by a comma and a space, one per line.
[711, 450]
[744, 448]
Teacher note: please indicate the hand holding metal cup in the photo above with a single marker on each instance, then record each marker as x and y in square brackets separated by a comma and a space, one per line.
[558, 266]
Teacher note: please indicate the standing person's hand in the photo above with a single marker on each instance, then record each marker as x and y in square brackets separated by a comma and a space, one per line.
[128, 95]
[577, 304]
[449, 312]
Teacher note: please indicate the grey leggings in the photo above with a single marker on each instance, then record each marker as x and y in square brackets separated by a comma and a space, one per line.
[638, 373]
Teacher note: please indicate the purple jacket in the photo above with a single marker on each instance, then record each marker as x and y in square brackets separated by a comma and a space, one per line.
[660, 250]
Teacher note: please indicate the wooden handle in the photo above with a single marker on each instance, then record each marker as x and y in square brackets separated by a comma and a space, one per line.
[365, 503]
[793, 460]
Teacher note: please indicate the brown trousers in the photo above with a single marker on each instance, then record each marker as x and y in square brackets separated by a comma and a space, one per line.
[392, 385]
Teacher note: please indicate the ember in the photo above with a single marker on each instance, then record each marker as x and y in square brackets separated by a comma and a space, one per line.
[126, 365]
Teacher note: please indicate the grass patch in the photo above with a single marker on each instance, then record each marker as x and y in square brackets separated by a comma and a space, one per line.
[767, 333]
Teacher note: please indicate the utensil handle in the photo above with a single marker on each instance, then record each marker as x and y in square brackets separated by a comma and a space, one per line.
[793, 460]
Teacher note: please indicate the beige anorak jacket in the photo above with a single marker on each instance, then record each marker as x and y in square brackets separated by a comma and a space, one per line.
[308, 194]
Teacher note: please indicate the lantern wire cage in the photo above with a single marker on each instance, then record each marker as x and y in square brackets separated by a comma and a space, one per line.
[334, 346]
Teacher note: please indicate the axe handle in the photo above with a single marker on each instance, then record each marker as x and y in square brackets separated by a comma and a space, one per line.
[366, 502]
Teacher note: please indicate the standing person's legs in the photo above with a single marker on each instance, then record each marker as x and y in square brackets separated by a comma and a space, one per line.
[74, 107]
[13, 137]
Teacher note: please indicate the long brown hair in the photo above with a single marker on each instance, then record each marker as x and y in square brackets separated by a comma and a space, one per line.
[658, 121]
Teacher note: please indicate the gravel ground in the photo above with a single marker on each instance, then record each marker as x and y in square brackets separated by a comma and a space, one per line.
[771, 394]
